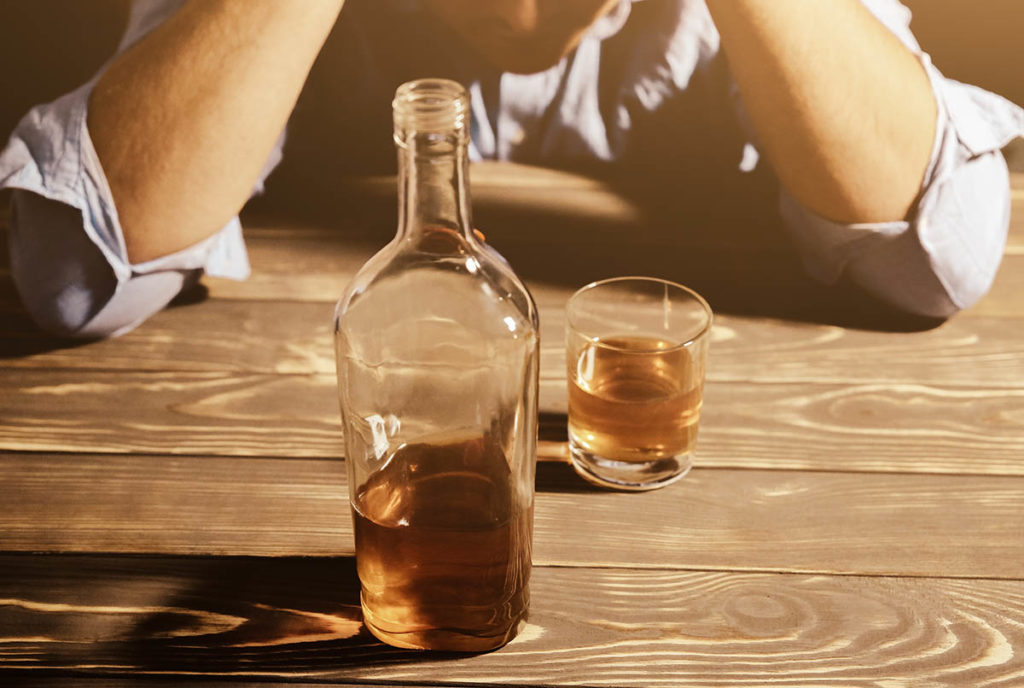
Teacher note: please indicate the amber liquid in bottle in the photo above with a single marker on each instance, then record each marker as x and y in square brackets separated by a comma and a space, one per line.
[443, 552]
[438, 357]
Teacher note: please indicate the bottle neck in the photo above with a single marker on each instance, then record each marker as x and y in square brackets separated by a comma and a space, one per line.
[433, 191]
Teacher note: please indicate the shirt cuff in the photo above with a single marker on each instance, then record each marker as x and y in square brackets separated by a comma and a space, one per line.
[51, 154]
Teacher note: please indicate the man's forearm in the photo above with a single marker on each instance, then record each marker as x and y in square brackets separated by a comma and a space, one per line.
[184, 121]
[844, 111]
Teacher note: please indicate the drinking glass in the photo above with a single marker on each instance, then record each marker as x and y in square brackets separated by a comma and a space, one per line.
[636, 353]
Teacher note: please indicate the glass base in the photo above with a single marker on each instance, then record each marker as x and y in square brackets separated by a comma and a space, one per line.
[638, 476]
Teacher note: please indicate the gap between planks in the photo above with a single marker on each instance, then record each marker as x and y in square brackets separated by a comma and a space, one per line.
[255, 559]
[548, 452]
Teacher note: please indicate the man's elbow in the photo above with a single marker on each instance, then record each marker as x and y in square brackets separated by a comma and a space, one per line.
[73, 310]
[948, 258]
[60, 315]
[66, 284]
[966, 239]
[62, 279]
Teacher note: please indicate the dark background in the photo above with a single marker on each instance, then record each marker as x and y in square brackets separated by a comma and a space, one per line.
[47, 47]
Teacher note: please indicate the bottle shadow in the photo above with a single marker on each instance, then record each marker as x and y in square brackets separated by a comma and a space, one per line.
[555, 472]
[728, 244]
[218, 617]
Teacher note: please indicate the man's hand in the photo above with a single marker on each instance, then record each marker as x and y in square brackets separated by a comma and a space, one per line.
[183, 122]
[843, 109]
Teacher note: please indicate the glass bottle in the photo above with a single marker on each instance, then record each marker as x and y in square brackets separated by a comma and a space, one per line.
[437, 357]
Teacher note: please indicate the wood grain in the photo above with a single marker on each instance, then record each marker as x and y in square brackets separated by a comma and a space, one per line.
[187, 413]
[555, 193]
[1004, 299]
[856, 517]
[220, 335]
[316, 265]
[884, 524]
[296, 619]
[850, 427]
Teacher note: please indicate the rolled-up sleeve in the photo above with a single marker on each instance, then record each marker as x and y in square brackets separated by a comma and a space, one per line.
[944, 257]
[68, 256]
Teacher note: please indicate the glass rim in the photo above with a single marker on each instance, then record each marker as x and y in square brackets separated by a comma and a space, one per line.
[596, 339]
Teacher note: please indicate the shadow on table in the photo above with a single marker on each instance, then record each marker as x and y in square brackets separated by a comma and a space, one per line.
[555, 473]
[735, 254]
[737, 275]
[20, 337]
[214, 617]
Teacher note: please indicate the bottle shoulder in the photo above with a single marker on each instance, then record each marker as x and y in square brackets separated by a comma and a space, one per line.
[472, 284]
[506, 281]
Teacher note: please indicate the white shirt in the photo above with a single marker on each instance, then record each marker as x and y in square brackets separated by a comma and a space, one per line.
[72, 272]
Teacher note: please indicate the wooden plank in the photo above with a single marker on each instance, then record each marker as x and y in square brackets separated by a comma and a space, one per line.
[869, 427]
[316, 263]
[299, 264]
[562, 194]
[186, 413]
[544, 192]
[221, 335]
[213, 336]
[508, 185]
[1006, 297]
[810, 522]
[298, 620]
[732, 281]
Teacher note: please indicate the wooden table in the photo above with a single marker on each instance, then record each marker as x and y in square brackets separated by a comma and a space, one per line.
[174, 502]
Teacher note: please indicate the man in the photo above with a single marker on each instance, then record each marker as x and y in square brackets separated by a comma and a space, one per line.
[889, 174]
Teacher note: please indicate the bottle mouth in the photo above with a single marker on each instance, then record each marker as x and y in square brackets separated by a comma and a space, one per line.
[431, 106]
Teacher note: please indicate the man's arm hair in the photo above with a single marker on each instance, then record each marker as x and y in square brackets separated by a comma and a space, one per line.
[844, 111]
[184, 120]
